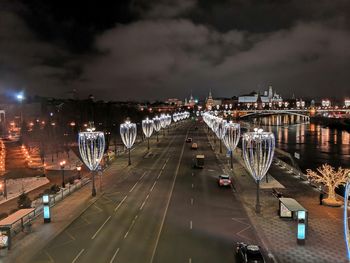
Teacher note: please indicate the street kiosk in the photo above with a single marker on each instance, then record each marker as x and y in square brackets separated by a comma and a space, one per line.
[46, 207]
[290, 208]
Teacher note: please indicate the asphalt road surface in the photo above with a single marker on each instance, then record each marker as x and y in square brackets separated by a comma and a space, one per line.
[158, 210]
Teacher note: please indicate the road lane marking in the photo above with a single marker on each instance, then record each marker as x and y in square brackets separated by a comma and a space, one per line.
[143, 204]
[191, 224]
[50, 258]
[192, 185]
[168, 202]
[121, 202]
[192, 201]
[115, 254]
[100, 210]
[133, 187]
[142, 176]
[132, 224]
[190, 260]
[160, 173]
[192, 174]
[77, 256]
[93, 237]
[70, 235]
[153, 186]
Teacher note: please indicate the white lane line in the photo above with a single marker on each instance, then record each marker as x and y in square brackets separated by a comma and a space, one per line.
[115, 254]
[191, 224]
[144, 202]
[192, 185]
[132, 224]
[192, 201]
[142, 176]
[77, 256]
[133, 187]
[121, 202]
[160, 173]
[192, 174]
[169, 198]
[93, 237]
[190, 260]
[153, 186]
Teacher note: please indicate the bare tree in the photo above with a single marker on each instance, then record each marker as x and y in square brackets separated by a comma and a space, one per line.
[330, 177]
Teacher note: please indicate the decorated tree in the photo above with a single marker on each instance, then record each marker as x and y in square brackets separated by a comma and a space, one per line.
[331, 178]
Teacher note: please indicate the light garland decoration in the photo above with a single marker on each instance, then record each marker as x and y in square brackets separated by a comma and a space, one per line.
[258, 149]
[231, 138]
[91, 148]
[128, 133]
[220, 130]
[157, 125]
[147, 128]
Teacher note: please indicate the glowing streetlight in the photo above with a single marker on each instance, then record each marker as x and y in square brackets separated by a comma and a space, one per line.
[147, 128]
[220, 130]
[258, 149]
[128, 133]
[231, 138]
[62, 165]
[157, 125]
[91, 148]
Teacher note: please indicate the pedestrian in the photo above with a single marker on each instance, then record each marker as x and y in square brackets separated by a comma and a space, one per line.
[321, 197]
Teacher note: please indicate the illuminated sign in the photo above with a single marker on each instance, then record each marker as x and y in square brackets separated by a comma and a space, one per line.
[284, 212]
[45, 198]
[301, 231]
[46, 212]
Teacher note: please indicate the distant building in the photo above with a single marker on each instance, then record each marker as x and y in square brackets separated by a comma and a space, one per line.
[347, 103]
[267, 98]
[174, 101]
[210, 103]
[191, 102]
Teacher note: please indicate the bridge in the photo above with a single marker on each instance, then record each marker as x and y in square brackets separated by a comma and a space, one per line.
[304, 113]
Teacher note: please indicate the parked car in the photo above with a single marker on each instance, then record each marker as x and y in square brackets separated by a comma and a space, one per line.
[248, 253]
[194, 146]
[189, 139]
[224, 180]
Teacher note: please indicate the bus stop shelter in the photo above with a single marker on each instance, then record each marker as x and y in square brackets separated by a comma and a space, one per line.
[289, 208]
[18, 218]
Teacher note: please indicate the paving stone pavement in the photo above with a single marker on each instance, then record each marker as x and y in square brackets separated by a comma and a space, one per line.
[325, 240]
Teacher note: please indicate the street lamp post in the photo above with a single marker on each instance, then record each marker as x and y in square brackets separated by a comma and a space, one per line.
[157, 125]
[128, 133]
[91, 148]
[220, 131]
[79, 172]
[231, 138]
[258, 149]
[147, 128]
[62, 165]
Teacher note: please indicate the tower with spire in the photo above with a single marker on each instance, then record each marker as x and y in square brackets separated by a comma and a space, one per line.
[210, 102]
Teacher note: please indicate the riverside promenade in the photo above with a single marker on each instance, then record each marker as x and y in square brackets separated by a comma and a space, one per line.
[325, 239]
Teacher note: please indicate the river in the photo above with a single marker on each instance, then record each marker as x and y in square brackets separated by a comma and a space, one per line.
[315, 143]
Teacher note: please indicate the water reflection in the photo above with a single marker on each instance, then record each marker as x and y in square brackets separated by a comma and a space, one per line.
[315, 144]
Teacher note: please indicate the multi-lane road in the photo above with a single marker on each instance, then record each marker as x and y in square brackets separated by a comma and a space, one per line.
[159, 209]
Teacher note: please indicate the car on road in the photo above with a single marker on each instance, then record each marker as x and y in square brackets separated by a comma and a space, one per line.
[224, 180]
[198, 161]
[248, 253]
[189, 139]
[194, 146]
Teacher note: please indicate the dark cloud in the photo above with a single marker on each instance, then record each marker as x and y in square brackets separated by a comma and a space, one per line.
[161, 48]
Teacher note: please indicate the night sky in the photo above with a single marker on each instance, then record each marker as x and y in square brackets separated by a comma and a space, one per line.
[155, 49]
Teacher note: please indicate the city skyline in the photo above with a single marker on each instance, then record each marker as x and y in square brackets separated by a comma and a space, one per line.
[137, 50]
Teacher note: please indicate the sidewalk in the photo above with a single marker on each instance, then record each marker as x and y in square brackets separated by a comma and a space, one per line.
[26, 245]
[325, 241]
